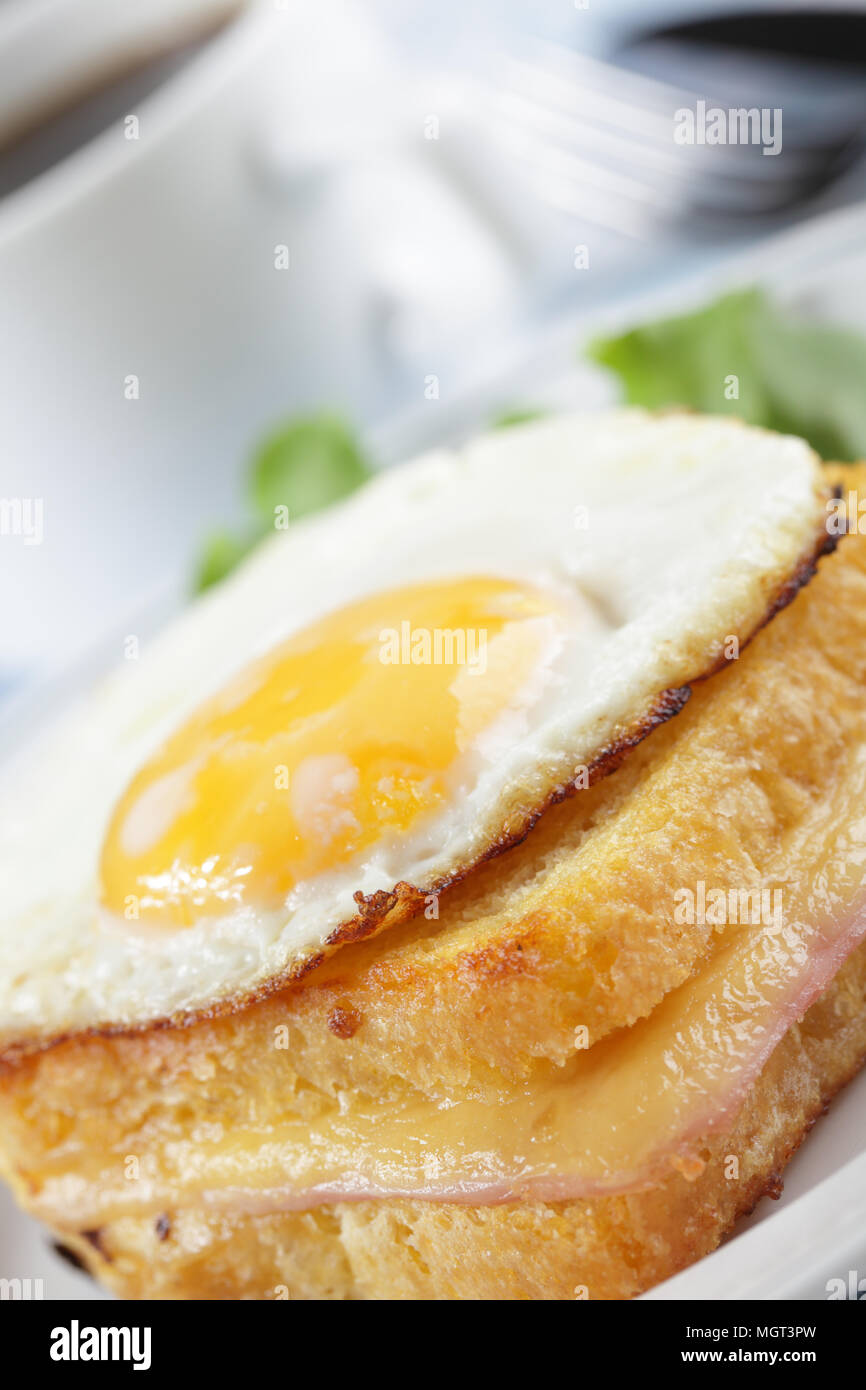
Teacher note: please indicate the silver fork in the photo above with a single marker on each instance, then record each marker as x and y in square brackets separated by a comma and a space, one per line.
[597, 141]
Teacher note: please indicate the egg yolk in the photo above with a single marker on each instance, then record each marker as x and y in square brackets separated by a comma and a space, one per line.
[345, 735]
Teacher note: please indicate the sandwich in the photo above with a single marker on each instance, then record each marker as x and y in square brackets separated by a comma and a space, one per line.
[463, 901]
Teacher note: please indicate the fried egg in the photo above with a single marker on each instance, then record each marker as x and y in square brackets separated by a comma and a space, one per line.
[383, 696]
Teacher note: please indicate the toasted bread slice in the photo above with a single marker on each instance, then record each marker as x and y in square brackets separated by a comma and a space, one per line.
[603, 1248]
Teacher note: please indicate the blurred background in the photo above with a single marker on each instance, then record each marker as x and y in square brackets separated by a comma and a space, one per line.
[220, 219]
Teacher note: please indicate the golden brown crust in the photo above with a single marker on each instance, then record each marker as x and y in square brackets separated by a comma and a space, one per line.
[374, 910]
[602, 1248]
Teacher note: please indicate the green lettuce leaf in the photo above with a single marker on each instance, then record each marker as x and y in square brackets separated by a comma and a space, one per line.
[305, 465]
[792, 375]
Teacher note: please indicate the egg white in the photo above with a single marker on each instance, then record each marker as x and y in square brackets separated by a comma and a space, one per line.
[661, 536]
